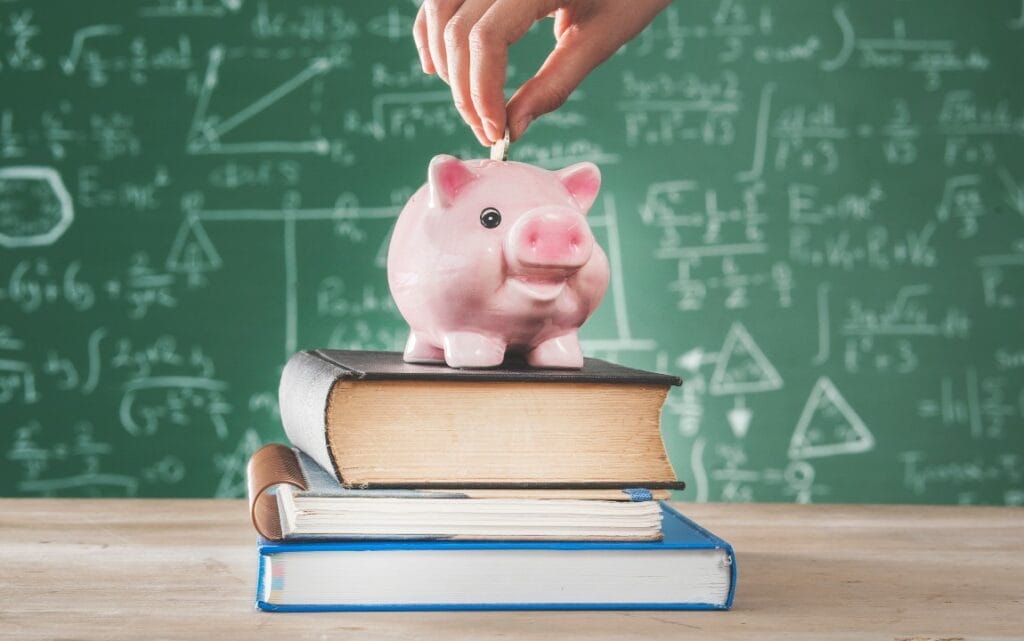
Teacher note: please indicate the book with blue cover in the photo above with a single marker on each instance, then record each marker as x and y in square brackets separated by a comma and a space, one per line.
[690, 568]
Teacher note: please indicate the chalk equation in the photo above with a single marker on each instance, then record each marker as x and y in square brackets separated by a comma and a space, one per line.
[813, 213]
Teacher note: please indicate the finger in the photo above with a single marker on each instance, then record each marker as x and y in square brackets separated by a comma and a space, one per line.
[575, 55]
[419, 36]
[456, 44]
[503, 24]
[563, 20]
[586, 37]
[439, 12]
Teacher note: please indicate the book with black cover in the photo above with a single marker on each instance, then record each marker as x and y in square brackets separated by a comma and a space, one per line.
[376, 421]
[371, 365]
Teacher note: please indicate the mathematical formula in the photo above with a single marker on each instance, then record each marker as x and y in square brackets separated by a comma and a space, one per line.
[814, 214]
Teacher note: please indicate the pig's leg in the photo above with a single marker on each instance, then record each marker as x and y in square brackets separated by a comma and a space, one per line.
[418, 350]
[561, 352]
[468, 349]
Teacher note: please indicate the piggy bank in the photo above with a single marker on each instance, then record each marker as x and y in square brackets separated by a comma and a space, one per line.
[492, 258]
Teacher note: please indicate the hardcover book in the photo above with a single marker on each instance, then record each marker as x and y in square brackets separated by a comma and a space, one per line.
[690, 568]
[375, 421]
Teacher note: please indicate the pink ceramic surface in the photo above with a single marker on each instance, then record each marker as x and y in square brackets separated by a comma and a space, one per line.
[492, 257]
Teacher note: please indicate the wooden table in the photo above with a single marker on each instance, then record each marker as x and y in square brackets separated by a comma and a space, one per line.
[185, 569]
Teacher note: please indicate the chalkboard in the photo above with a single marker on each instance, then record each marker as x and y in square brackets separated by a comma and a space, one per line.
[814, 212]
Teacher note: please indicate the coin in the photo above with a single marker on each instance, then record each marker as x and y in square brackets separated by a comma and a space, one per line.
[499, 150]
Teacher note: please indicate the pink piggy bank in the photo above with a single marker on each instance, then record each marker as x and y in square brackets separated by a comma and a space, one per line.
[494, 257]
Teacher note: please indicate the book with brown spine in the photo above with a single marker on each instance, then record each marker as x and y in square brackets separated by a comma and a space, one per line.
[293, 498]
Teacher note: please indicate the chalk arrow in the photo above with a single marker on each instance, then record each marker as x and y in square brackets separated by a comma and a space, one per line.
[739, 418]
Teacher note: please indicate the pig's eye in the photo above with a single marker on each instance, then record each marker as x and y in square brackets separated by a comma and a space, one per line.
[490, 218]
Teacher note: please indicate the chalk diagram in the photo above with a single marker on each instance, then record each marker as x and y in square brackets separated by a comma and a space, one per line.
[740, 367]
[192, 252]
[207, 132]
[35, 207]
[828, 426]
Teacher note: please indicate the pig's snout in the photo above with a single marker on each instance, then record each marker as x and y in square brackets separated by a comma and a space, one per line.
[551, 239]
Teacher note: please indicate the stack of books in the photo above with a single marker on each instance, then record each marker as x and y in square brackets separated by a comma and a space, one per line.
[423, 487]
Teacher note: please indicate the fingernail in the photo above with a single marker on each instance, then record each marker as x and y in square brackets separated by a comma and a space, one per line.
[491, 129]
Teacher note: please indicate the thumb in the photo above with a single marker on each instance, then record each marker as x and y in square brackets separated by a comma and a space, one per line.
[572, 59]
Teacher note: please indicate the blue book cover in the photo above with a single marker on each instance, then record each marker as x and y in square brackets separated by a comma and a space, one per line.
[690, 568]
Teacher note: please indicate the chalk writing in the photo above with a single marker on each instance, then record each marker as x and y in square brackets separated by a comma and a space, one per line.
[813, 213]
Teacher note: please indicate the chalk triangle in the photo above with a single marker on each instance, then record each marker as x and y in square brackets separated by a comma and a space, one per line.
[828, 426]
[192, 251]
[742, 367]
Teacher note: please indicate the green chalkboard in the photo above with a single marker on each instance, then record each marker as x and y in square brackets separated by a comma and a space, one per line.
[814, 211]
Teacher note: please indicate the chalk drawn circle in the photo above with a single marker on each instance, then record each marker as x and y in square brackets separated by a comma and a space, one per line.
[35, 207]
[799, 474]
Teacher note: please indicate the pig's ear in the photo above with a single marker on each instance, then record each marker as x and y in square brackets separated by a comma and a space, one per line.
[582, 180]
[447, 177]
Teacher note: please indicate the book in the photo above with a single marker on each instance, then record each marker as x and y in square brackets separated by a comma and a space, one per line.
[376, 421]
[298, 499]
[690, 568]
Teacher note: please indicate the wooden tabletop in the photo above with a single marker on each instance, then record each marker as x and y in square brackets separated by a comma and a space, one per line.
[185, 569]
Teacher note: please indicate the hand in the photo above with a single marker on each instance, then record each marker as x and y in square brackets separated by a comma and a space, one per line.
[466, 42]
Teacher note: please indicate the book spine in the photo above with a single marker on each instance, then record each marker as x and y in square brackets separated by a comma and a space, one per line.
[303, 395]
[269, 466]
